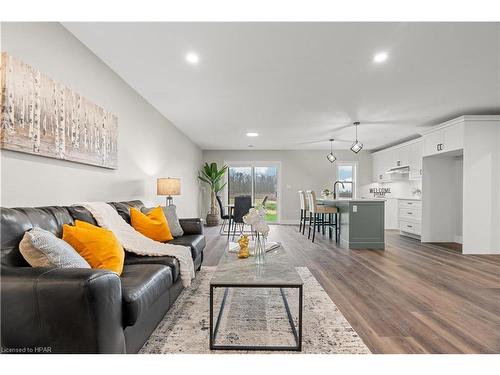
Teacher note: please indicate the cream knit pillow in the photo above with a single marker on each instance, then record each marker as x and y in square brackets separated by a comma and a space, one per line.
[41, 248]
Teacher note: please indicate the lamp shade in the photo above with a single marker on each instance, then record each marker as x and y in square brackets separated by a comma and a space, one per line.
[168, 186]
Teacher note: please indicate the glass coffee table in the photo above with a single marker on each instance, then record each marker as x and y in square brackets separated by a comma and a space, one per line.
[276, 273]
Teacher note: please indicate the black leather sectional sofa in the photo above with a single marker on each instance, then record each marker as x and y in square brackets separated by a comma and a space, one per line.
[84, 310]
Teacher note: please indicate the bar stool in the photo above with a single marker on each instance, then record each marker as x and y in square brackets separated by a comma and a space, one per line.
[303, 211]
[317, 214]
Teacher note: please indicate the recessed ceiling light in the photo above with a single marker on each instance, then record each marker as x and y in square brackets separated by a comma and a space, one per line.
[252, 134]
[251, 146]
[192, 58]
[380, 57]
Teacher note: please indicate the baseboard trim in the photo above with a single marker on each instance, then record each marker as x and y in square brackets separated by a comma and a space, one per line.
[289, 222]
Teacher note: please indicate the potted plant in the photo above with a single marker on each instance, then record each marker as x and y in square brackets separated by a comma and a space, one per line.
[213, 177]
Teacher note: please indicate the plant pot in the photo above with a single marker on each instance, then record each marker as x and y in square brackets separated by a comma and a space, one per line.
[212, 220]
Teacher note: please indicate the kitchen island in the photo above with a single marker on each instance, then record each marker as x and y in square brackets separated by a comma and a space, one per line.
[361, 222]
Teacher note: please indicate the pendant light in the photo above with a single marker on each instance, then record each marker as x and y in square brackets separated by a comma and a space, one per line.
[331, 158]
[357, 145]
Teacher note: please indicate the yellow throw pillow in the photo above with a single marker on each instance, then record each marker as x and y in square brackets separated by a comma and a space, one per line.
[98, 246]
[153, 225]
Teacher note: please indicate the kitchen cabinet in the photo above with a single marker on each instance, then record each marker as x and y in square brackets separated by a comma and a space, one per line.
[400, 156]
[379, 167]
[415, 160]
[407, 154]
[449, 137]
[410, 218]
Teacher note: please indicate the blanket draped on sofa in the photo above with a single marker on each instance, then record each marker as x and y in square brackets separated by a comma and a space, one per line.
[135, 242]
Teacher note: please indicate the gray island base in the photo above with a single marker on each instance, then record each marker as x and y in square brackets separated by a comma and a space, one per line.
[361, 222]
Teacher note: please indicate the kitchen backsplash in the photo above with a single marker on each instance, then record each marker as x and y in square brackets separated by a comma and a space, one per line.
[396, 189]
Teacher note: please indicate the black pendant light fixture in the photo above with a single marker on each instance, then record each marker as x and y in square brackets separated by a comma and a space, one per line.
[357, 145]
[331, 158]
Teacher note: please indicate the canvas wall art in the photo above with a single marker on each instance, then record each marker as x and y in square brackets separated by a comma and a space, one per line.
[42, 117]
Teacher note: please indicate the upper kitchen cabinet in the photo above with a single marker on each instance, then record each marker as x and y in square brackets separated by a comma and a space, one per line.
[380, 165]
[415, 151]
[405, 158]
[445, 137]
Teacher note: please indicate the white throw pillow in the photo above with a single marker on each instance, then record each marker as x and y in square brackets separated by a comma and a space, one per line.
[41, 248]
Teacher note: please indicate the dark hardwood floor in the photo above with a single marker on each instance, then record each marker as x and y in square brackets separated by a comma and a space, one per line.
[408, 298]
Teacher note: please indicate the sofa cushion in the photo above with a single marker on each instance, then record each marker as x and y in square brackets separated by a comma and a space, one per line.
[123, 208]
[142, 285]
[172, 219]
[195, 241]
[153, 224]
[98, 246]
[42, 248]
[173, 263]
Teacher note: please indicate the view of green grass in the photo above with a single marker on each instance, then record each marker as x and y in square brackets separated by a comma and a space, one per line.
[271, 211]
[271, 208]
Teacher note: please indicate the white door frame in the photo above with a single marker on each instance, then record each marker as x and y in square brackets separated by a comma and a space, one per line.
[254, 163]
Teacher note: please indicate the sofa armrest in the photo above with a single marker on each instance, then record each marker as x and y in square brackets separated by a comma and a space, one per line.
[192, 225]
[61, 310]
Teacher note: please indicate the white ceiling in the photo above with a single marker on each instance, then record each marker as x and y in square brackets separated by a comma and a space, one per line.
[301, 82]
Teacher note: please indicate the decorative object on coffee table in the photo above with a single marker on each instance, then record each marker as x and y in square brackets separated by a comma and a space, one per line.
[243, 242]
[213, 177]
[168, 186]
[256, 218]
[40, 116]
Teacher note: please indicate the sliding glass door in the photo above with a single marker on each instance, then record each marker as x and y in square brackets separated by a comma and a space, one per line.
[258, 180]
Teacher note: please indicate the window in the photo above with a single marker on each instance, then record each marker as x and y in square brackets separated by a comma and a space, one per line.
[259, 180]
[346, 172]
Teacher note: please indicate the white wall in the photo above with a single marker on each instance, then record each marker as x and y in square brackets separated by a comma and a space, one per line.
[441, 200]
[149, 145]
[481, 190]
[300, 170]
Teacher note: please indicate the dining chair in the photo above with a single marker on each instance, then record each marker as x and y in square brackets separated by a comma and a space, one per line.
[317, 213]
[303, 211]
[242, 204]
[224, 217]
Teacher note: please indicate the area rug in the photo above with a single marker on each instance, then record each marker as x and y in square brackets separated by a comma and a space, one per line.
[253, 316]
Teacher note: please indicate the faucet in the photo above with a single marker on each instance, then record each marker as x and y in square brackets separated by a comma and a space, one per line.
[335, 188]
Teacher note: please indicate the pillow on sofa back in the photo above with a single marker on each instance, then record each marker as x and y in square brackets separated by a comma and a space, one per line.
[98, 246]
[153, 224]
[172, 219]
[42, 248]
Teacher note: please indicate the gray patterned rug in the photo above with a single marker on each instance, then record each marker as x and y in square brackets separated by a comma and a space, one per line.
[254, 316]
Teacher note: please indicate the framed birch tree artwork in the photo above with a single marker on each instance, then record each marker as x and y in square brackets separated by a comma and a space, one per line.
[42, 117]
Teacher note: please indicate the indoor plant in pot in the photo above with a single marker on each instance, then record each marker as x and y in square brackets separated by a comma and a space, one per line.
[213, 177]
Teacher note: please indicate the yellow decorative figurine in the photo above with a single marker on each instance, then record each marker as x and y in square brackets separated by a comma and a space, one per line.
[243, 242]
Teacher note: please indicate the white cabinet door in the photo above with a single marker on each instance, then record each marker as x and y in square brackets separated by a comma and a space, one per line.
[432, 142]
[375, 167]
[449, 138]
[415, 157]
[386, 162]
[380, 164]
[403, 156]
[453, 137]
[392, 158]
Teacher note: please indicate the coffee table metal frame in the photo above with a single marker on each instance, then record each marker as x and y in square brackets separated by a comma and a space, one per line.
[297, 331]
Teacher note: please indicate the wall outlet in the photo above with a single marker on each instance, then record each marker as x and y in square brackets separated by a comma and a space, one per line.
[354, 208]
